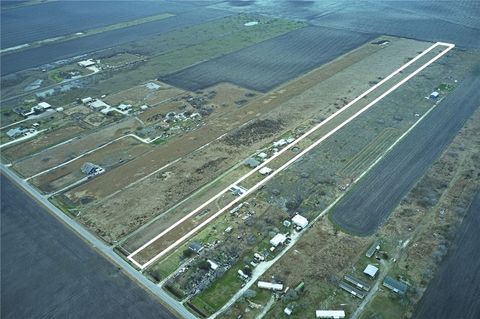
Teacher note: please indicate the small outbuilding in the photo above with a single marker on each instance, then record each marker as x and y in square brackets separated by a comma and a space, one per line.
[434, 95]
[371, 271]
[395, 285]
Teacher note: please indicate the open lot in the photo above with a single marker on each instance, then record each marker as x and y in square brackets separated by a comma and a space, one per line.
[295, 53]
[369, 203]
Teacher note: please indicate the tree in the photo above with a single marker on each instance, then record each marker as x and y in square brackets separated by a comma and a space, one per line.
[203, 264]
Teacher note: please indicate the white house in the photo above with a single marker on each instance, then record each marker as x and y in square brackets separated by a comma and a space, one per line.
[300, 221]
[265, 170]
[332, 314]
[278, 239]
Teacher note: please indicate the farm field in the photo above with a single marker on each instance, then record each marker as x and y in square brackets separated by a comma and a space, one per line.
[254, 68]
[449, 294]
[365, 207]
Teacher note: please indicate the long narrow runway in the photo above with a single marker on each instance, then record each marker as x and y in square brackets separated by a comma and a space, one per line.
[49, 272]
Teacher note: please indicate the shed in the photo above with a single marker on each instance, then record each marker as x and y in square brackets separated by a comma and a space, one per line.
[251, 162]
[195, 247]
[269, 285]
[375, 246]
[288, 311]
[395, 285]
[278, 239]
[265, 170]
[370, 271]
[332, 314]
[300, 221]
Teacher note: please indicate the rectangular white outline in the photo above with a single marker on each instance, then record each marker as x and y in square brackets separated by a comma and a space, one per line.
[284, 166]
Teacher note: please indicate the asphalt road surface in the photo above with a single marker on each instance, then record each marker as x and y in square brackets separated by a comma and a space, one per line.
[455, 290]
[49, 272]
[370, 201]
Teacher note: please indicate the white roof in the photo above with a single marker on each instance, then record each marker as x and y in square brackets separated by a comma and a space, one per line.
[278, 239]
[262, 155]
[288, 311]
[265, 170]
[44, 105]
[86, 63]
[435, 93]
[370, 270]
[299, 220]
[330, 314]
[99, 103]
[269, 285]
[212, 264]
[280, 143]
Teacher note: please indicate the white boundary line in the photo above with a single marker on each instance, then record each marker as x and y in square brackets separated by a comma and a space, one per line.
[186, 236]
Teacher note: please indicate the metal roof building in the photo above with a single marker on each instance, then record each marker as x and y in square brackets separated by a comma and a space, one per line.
[332, 314]
[269, 285]
[357, 293]
[251, 162]
[299, 220]
[278, 239]
[357, 282]
[375, 246]
[395, 285]
[370, 271]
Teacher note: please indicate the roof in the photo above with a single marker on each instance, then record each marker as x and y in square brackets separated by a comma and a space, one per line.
[251, 162]
[375, 246]
[86, 63]
[98, 103]
[370, 270]
[196, 246]
[299, 220]
[44, 105]
[434, 94]
[88, 168]
[15, 131]
[269, 285]
[357, 282]
[212, 264]
[278, 239]
[330, 314]
[357, 293]
[395, 285]
[152, 86]
[265, 170]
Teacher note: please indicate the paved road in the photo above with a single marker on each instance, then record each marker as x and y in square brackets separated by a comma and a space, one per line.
[370, 202]
[455, 290]
[25, 286]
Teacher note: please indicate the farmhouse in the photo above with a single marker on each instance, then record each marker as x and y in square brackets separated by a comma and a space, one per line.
[124, 107]
[251, 162]
[373, 249]
[98, 104]
[262, 155]
[331, 314]
[395, 285]
[280, 143]
[300, 221]
[269, 285]
[434, 95]
[278, 239]
[370, 271]
[86, 100]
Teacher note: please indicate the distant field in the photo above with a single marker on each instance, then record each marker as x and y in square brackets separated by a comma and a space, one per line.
[372, 200]
[266, 65]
